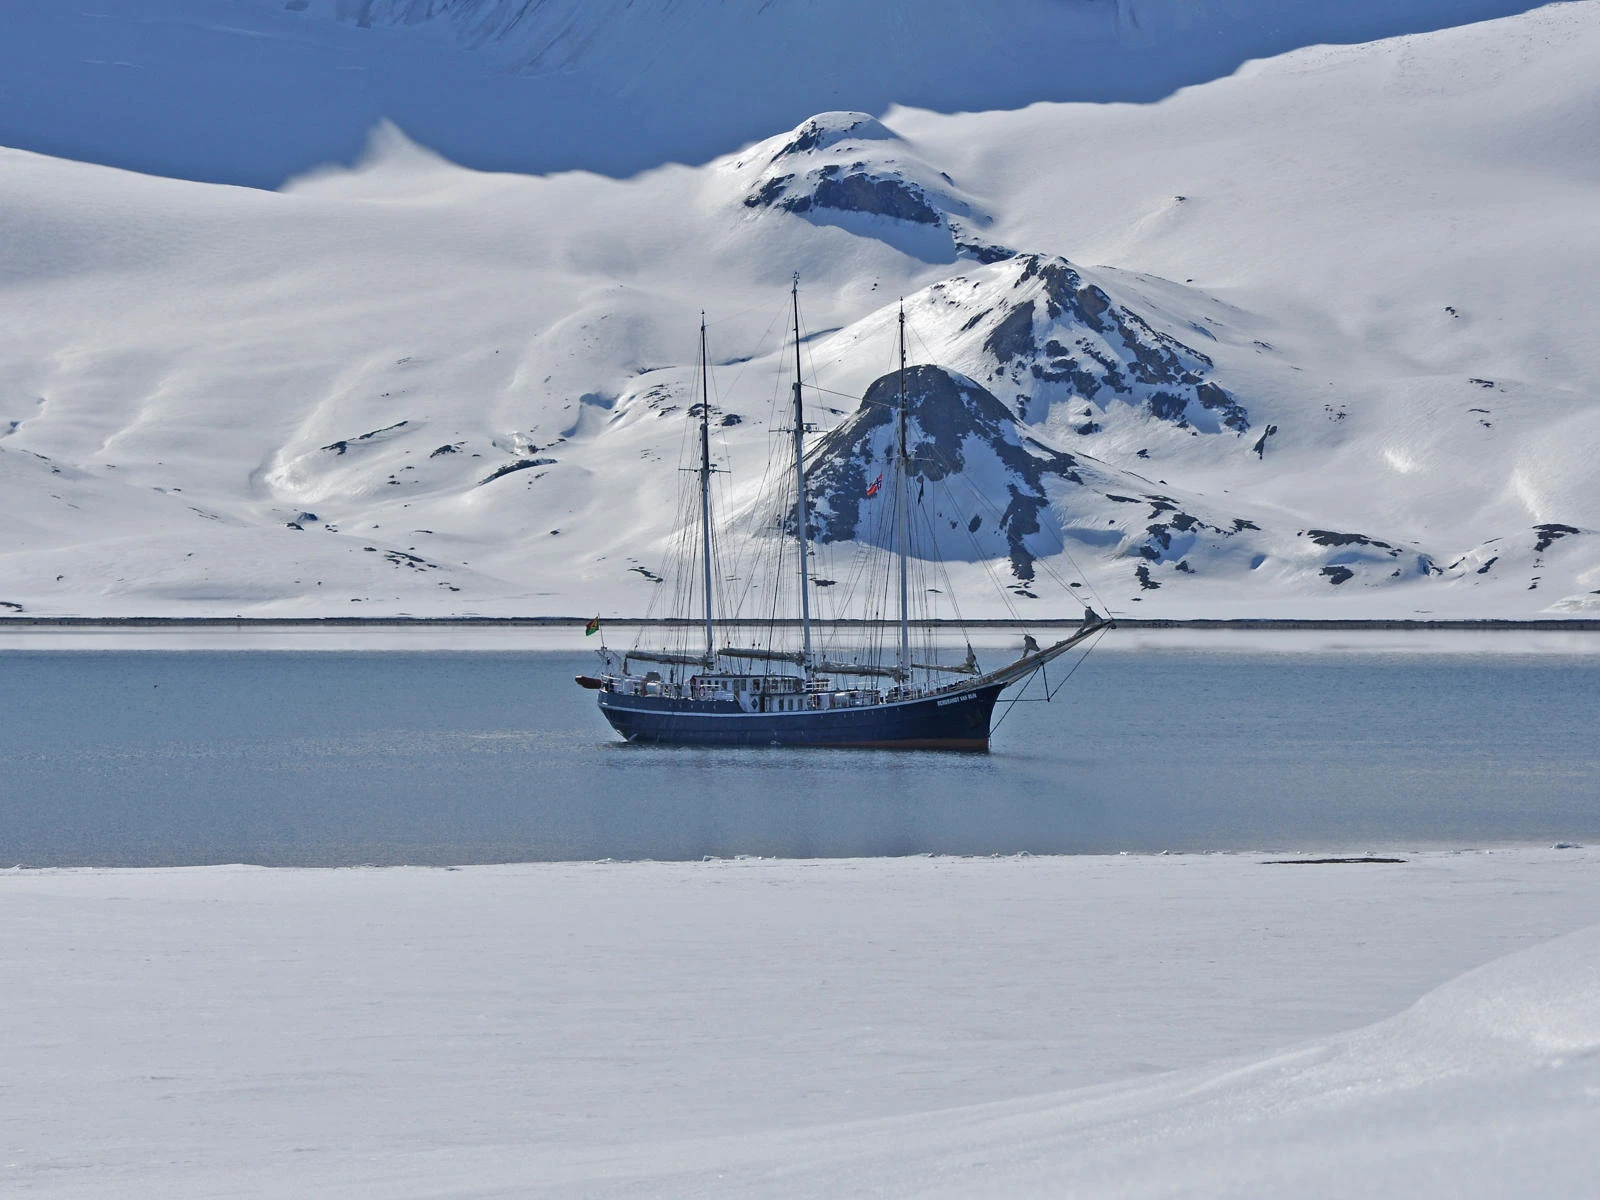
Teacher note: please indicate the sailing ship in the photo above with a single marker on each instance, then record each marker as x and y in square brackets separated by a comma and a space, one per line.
[816, 693]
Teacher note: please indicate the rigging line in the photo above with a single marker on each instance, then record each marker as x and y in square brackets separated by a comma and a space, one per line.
[756, 514]
[813, 387]
[941, 570]
[994, 509]
[982, 559]
[1083, 576]
[927, 350]
[811, 361]
[732, 316]
[670, 560]
[1011, 704]
[729, 603]
[1043, 563]
[745, 365]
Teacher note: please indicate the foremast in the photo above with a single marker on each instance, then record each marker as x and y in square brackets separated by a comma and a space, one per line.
[708, 659]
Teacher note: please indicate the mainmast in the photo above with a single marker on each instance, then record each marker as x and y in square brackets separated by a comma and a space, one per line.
[801, 516]
[902, 496]
[705, 484]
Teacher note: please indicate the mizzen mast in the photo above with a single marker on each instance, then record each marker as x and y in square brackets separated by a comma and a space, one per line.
[901, 499]
[705, 485]
[801, 515]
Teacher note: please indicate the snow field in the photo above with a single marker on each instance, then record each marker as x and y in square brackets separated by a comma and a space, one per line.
[1123, 1026]
[1386, 248]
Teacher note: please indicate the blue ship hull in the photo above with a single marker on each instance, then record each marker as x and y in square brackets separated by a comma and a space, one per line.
[957, 720]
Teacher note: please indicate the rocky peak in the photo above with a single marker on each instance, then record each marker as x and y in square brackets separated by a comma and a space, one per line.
[838, 168]
[1044, 332]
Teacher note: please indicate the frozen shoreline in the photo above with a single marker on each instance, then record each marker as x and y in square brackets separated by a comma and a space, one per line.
[1137, 1025]
[1316, 637]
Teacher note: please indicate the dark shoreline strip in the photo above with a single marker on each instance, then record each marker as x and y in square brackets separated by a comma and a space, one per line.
[1555, 625]
[1324, 862]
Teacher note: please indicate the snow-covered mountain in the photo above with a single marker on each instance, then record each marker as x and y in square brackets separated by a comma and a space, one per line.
[255, 91]
[1313, 339]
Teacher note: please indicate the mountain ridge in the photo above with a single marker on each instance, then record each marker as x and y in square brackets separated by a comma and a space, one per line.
[413, 387]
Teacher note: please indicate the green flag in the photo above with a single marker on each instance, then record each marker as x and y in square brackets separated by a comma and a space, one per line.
[592, 627]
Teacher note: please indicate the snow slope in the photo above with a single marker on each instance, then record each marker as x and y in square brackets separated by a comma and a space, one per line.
[256, 91]
[1109, 1026]
[412, 387]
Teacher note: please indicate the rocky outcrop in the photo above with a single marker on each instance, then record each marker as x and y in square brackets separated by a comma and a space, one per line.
[958, 434]
[849, 164]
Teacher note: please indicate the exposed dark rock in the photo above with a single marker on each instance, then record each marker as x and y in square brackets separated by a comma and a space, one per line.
[343, 445]
[401, 559]
[826, 129]
[860, 192]
[949, 417]
[522, 464]
[1214, 398]
[1549, 533]
[983, 252]
[1013, 337]
[1093, 345]
[1168, 407]
[767, 194]
[1327, 537]
[1338, 575]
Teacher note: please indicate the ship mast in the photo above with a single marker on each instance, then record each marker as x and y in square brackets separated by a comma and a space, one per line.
[705, 484]
[900, 502]
[801, 516]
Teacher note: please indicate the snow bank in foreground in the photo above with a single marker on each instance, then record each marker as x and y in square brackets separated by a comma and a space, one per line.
[1103, 1026]
[1488, 1086]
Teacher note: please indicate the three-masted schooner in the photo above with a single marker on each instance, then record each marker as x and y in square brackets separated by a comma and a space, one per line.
[766, 695]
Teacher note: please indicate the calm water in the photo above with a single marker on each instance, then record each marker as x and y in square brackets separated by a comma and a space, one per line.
[151, 757]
